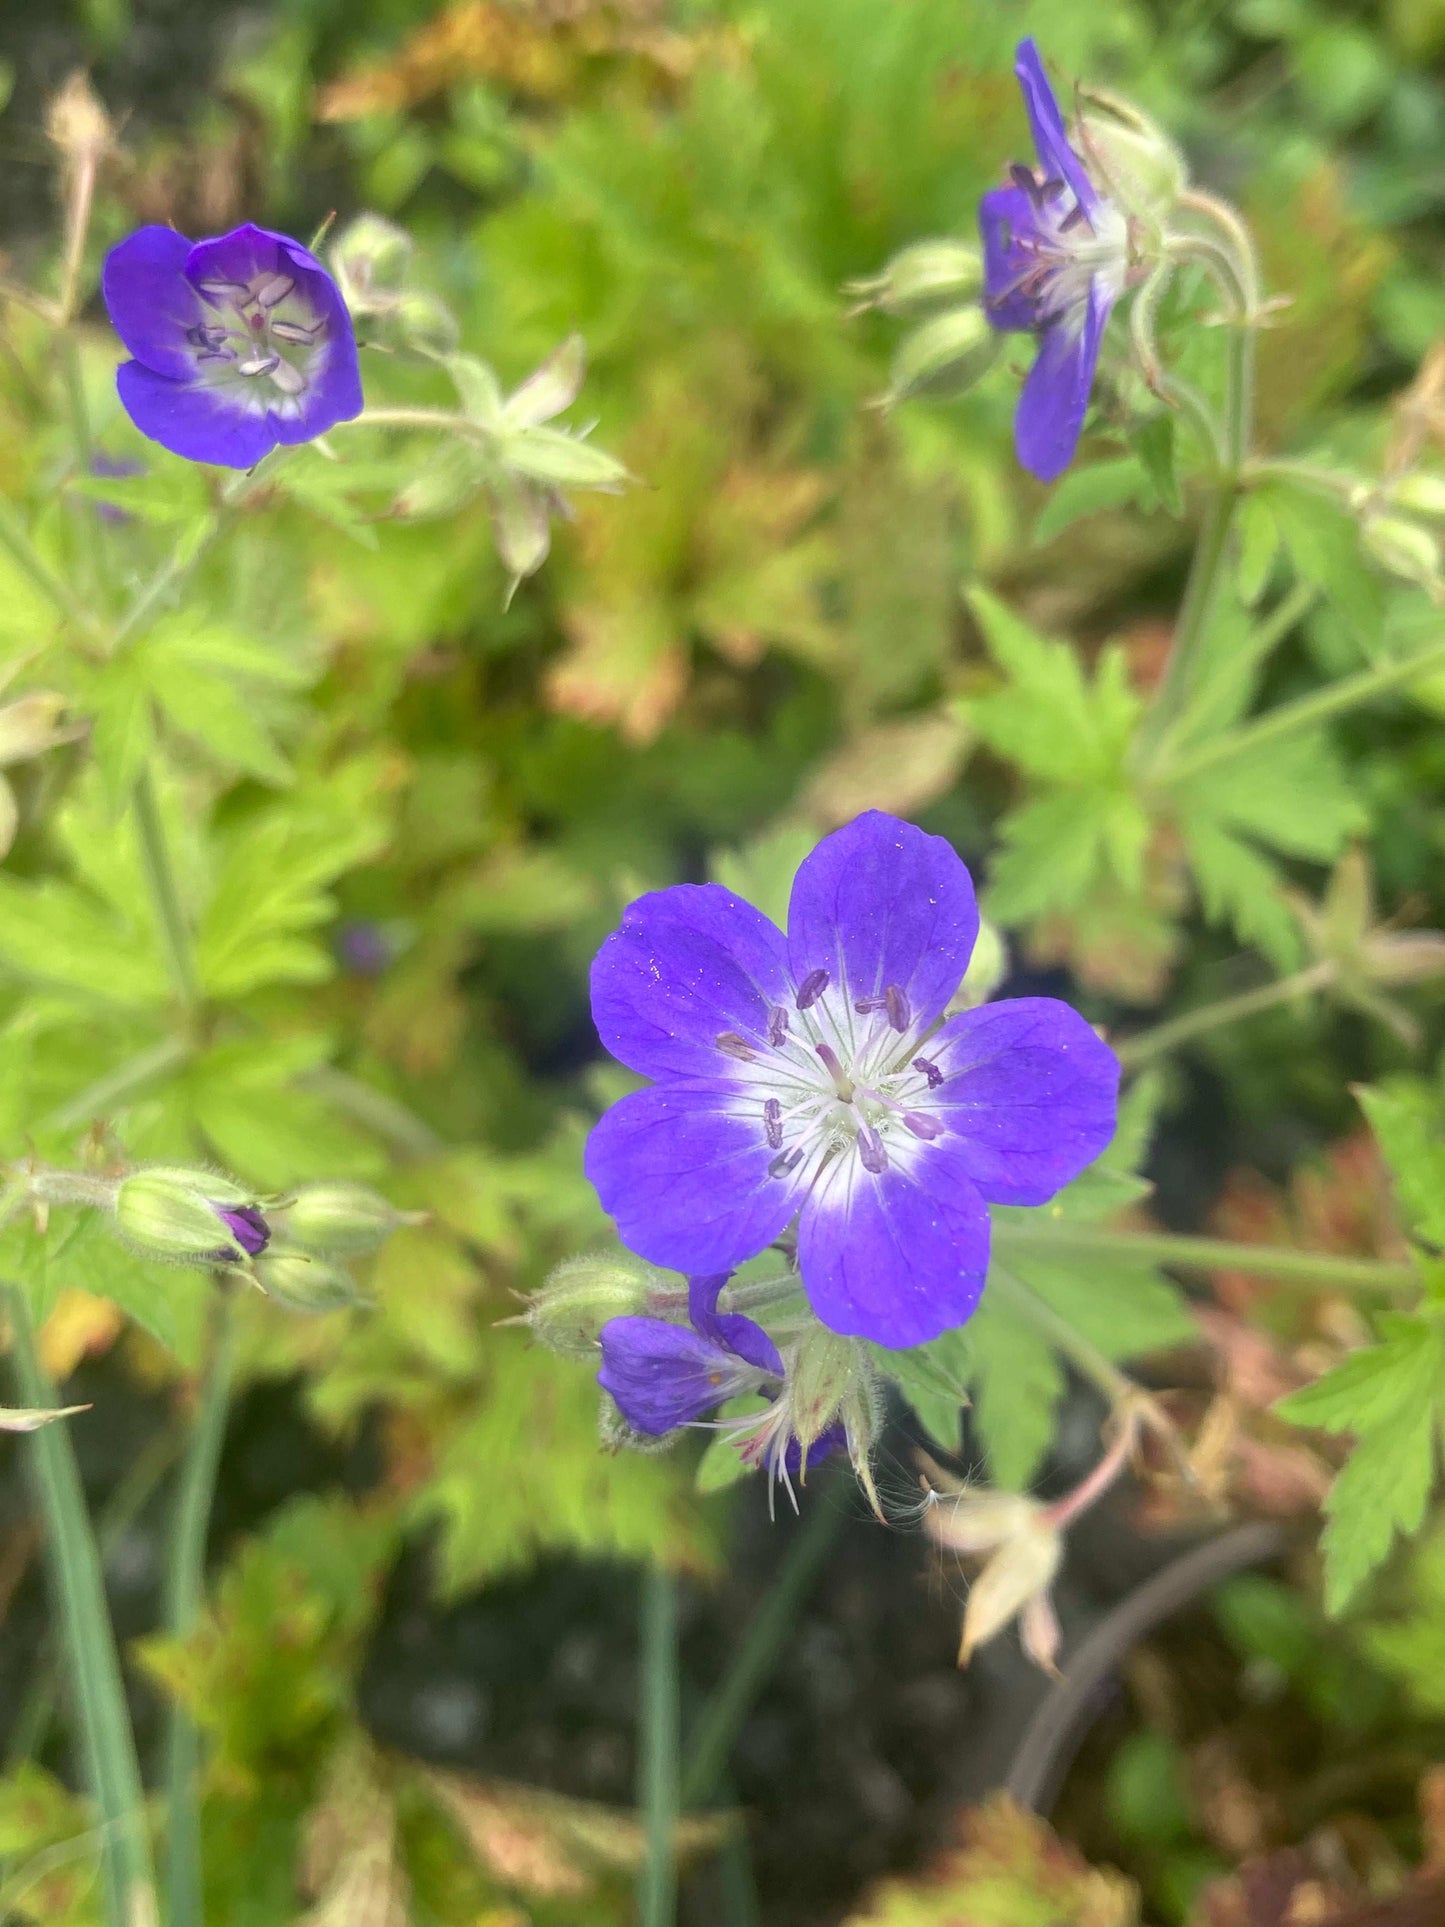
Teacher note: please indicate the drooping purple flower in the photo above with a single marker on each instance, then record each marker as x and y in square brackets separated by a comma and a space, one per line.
[113, 468]
[1056, 259]
[807, 1077]
[239, 343]
[247, 1226]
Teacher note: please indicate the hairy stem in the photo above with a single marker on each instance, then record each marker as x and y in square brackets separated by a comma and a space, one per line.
[1318, 1269]
[109, 1745]
[658, 1788]
[1146, 1045]
[184, 1592]
[165, 896]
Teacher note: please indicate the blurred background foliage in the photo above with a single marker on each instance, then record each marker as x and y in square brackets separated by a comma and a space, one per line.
[407, 814]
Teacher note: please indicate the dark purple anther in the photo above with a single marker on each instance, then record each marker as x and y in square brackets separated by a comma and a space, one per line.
[930, 1071]
[773, 1123]
[247, 1226]
[811, 988]
[871, 1151]
[777, 1025]
[785, 1162]
[900, 1011]
[928, 1128]
[736, 1046]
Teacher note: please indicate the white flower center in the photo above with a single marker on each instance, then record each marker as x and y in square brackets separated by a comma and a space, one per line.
[266, 346]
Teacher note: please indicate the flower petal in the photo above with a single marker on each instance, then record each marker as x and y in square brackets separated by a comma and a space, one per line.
[662, 1375]
[689, 965]
[1030, 1090]
[1055, 397]
[685, 1176]
[1047, 125]
[149, 300]
[879, 903]
[1003, 215]
[200, 423]
[885, 1258]
[741, 1335]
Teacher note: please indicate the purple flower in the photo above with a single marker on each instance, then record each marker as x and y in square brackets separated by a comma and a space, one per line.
[663, 1375]
[1056, 258]
[239, 343]
[807, 1077]
[247, 1226]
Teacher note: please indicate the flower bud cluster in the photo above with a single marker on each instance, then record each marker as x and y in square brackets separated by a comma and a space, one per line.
[372, 259]
[937, 284]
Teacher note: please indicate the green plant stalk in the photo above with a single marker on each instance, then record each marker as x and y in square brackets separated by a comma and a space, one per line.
[1307, 712]
[165, 897]
[658, 1779]
[98, 1099]
[734, 1697]
[183, 1596]
[108, 1742]
[1308, 1268]
[1145, 1045]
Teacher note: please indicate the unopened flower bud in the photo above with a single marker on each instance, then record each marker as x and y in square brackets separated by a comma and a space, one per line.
[28, 726]
[76, 121]
[1143, 169]
[426, 322]
[1404, 548]
[341, 1217]
[1421, 494]
[303, 1283]
[370, 258]
[1019, 1574]
[929, 274]
[189, 1216]
[946, 356]
[568, 1313]
[987, 968]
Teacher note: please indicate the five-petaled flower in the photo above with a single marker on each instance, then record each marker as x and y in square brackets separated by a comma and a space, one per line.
[239, 343]
[808, 1076]
[1056, 258]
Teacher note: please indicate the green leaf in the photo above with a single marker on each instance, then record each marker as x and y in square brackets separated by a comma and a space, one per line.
[762, 872]
[1087, 491]
[933, 1378]
[1017, 1382]
[1258, 547]
[1059, 846]
[1323, 543]
[1240, 887]
[51, 933]
[1051, 719]
[1407, 1118]
[1155, 445]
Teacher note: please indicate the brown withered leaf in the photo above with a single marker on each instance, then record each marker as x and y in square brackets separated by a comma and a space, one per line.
[349, 1866]
[550, 1846]
[899, 766]
[538, 51]
[1308, 1887]
[1009, 1869]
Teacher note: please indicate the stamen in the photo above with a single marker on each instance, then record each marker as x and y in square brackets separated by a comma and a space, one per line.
[274, 288]
[900, 1011]
[842, 1083]
[785, 1162]
[923, 1126]
[777, 1025]
[1074, 218]
[729, 1040]
[259, 365]
[811, 988]
[1025, 178]
[773, 1123]
[865, 1006]
[224, 290]
[930, 1071]
[870, 1150]
[294, 331]
[287, 379]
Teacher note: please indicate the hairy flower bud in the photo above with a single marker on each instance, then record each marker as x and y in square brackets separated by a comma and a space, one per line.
[946, 356]
[1142, 168]
[582, 1295]
[1404, 548]
[370, 258]
[303, 1283]
[341, 1218]
[189, 1216]
[426, 322]
[930, 274]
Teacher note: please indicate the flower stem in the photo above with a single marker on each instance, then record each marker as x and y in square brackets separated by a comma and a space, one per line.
[733, 1698]
[658, 1786]
[184, 1591]
[1308, 712]
[108, 1742]
[100, 1097]
[165, 897]
[1308, 1268]
[1146, 1045]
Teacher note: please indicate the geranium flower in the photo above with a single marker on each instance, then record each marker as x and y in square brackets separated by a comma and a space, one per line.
[240, 343]
[807, 1077]
[1056, 259]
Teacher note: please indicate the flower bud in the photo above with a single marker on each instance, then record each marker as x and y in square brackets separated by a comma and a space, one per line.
[76, 121]
[930, 274]
[568, 1313]
[946, 356]
[1421, 494]
[370, 258]
[28, 726]
[426, 322]
[987, 968]
[1019, 1573]
[1405, 549]
[303, 1283]
[184, 1215]
[1143, 169]
[341, 1218]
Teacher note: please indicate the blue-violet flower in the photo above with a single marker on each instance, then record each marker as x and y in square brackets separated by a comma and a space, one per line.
[807, 1077]
[1056, 259]
[239, 343]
